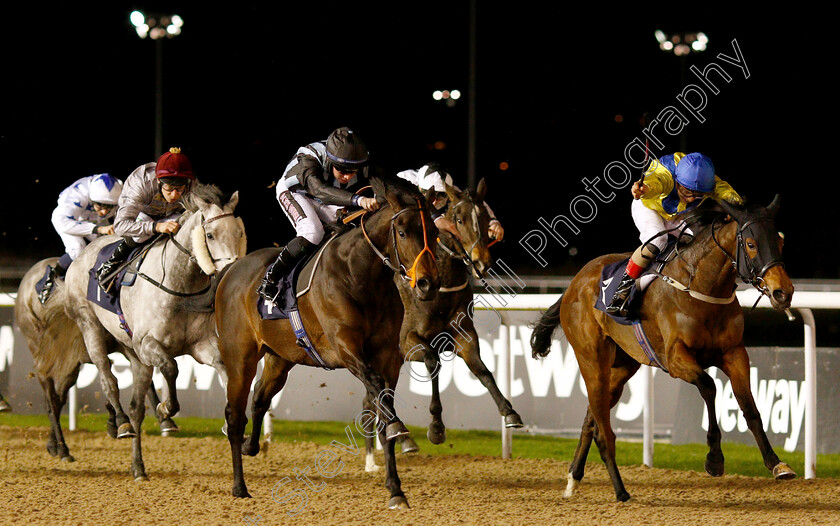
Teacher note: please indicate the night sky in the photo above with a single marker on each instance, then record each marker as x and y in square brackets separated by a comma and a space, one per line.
[559, 95]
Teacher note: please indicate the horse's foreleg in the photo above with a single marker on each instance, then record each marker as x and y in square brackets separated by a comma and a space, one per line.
[273, 378]
[437, 430]
[714, 458]
[242, 369]
[167, 425]
[369, 430]
[142, 383]
[470, 352]
[736, 365]
[153, 352]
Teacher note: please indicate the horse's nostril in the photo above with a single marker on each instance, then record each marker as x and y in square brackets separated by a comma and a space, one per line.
[423, 284]
[780, 295]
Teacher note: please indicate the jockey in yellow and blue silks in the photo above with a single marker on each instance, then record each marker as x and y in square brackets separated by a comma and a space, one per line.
[672, 185]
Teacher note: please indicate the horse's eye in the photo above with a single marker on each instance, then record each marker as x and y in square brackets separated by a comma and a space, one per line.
[209, 235]
[460, 221]
[401, 233]
[751, 246]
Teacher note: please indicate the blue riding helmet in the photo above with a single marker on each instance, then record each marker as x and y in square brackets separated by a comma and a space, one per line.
[696, 172]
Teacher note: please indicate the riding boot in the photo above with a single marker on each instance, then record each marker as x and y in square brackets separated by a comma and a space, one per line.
[285, 262]
[117, 258]
[56, 272]
[616, 305]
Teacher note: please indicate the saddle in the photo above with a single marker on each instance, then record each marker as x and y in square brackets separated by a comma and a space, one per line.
[291, 287]
[126, 277]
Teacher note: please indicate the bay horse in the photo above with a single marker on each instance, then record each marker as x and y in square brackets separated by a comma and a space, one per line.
[352, 314]
[690, 330]
[445, 322]
[164, 316]
[58, 355]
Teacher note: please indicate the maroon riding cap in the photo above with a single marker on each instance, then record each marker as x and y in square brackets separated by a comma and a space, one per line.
[174, 164]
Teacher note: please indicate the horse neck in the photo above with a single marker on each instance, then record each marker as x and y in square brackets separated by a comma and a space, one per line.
[452, 271]
[362, 261]
[179, 265]
[705, 264]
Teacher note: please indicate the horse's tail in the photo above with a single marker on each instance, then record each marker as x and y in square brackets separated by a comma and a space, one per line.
[61, 347]
[543, 330]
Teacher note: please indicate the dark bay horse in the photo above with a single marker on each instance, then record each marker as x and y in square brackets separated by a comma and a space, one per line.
[352, 314]
[58, 355]
[445, 323]
[688, 334]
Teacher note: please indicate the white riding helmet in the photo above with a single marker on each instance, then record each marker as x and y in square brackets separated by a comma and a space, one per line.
[433, 177]
[105, 189]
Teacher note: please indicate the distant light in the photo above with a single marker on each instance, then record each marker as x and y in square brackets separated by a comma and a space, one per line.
[173, 30]
[666, 46]
[437, 95]
[142, 31]
[440, 145]
[455, 94]
[177, 21]
[698, 46]
[619, 118]
[137, 19]
[503, 166]
[702, 38]
[660, 36]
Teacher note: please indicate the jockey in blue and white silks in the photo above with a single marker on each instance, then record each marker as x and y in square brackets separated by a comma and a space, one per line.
[672, 185]
[85, 210]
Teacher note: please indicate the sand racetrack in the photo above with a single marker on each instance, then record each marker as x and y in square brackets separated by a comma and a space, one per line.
[190, 483]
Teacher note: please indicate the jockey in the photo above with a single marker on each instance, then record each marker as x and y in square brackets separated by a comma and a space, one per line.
[318, 181]
[432, 176]
[672, 185]
[85, 210]
[150, 204]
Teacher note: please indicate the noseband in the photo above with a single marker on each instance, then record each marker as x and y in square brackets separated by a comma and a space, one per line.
[409, 275]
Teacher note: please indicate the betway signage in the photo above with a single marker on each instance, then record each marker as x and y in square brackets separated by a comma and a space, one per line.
[549, 394]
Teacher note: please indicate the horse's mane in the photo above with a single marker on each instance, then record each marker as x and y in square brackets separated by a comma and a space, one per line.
[406, 193]
[203, 192]
[701, 219]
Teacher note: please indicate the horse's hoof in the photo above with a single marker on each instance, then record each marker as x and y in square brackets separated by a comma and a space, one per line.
[436, 437]
[162, 412]
[394, 430]
[622, 497]
[68, 458]
[408, 445]
[52, 449]
[168, 427]
[571, 486]
[126, 431]
[398, 503]
[783, 472]
[513, 420]
[224, 429]
[241, 492]
[715, 469]
[141, 478]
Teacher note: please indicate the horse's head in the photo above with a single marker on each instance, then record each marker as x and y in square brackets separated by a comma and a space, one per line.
[218, 237]
[759, 251]
[410, 236]
[467, 211]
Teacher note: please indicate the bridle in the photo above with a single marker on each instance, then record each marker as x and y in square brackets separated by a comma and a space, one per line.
[751, 270]
[410, 274]
[190, 255]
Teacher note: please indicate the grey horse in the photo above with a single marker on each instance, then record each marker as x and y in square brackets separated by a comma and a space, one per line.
[58, 355]
[164, 315]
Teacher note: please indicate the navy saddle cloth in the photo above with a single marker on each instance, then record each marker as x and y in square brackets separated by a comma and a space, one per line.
[110, 300]
[287, 298]
[610, 278]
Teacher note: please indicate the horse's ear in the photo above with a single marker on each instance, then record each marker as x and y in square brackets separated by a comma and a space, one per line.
[233, 201]
[392, 197]
[773, 207]
[481, 190]
[451, 192]
[430, 198]
[735, 211]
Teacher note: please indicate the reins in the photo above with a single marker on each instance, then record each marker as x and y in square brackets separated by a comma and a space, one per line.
[190, 256]
[409, 275]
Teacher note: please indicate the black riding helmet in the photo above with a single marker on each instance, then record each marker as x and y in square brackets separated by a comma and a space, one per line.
[346, 150]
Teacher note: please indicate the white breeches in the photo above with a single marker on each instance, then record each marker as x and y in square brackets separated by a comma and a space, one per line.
[307, 215]
[651, 223]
